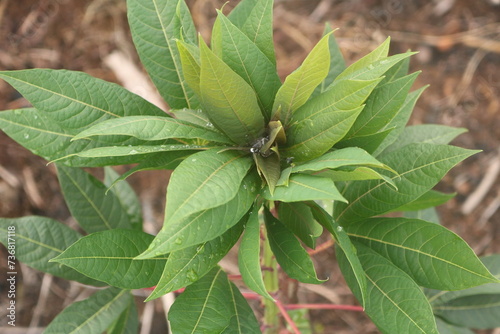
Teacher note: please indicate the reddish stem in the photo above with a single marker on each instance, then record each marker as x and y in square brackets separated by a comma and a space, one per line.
[324, 307]
[324, 246]
[285, 315]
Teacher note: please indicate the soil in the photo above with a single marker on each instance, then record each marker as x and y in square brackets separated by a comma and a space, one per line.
[459, 55]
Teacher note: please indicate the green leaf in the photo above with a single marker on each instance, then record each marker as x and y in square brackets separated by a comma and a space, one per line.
[127, 322]
[88, 202]
[345, 250]
[299, 219]
[249, 255]
[155, 24]
[432, 255]
[428, 164]
[291, 256]
[108, 256]
[394, 302]
[351, 156]
[269, 167]
[187, 265]
[127, 197]
[429, 215]
[151, 128]
[92, 315]
[214, 222]
[255, 19]
[76, 100]
[303, 187]
[369, 142]
[397, 71]
[337, 61]
[299, 86]
[39, 239]
[228, 100]
[446, 328]
[356, 174]
[397, 124]
[212, 305]
[197, 117]
[190, 61]
[425, 133]
[247, 60]
[382, 106]
[324, 120]
[430, 199]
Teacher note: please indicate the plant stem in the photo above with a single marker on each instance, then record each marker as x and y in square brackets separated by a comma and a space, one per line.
[271, 311]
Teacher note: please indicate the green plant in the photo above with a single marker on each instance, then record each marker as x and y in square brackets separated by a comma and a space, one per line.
[253, 158]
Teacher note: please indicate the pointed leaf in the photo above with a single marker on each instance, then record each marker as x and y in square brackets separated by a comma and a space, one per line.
[397, 71]
[302, 187]
[291, 256]
[138, 152]
[369, 142]
[299, 219]
[356, 174]
[127, 322]
[270, 168]
[446, 328]
[92, 315]
[88, 202]
[228, 100]
[108, 256]
[214, 222]
[39, 239]
[126, 195]
[429, 215]
[429, 163]
[197, 117]
[151, 128]
[155, 24]
[212, 305]
[432, 255]
[430, 199]
[255, 19]
[249, 255]
[186, 266]
[190, 61]
[246, 59]
[394, 302]
[299, 86]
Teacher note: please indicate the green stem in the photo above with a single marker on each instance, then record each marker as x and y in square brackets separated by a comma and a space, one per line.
[270, 273]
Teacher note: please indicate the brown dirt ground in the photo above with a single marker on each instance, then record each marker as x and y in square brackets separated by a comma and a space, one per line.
[459, 55]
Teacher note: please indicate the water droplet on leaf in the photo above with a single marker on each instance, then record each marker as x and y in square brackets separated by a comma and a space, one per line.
[192, 275]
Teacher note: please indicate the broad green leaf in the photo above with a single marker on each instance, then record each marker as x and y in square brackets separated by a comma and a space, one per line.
[394, 302]
[75, 100]
[416, 175]
[299, 85]
[303, 187]
[446, 328]
[397, 124]
[270, 168]
[249, 255]
[352, 269]
[351, 156]
[430, 254]
[430, 199]
[397, 71]
[155, 25]
[425, 133]
[478, 311]
[382, 106]
[213, 222]
[126, 195]
[151, 128]
[34, 130]
[197, 117]
[190, 61]
[337, 61]
[291, 256]
[299, 219]
[379, 53]
[88, 202]
[247, 60]
[39, 239]
[212, 305]
[92, 315]
[429, 215]
[324, 120]
[369, 142]
[127, 322]
[206, 180]
[138, 152]
[187, 265]
[356, 174]
[108, 256]
[255, 19]
[228, 100]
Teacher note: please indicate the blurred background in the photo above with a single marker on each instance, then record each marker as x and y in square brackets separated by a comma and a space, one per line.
[459, 53]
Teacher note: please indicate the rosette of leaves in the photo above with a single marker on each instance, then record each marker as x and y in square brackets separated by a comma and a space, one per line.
[240, 142]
